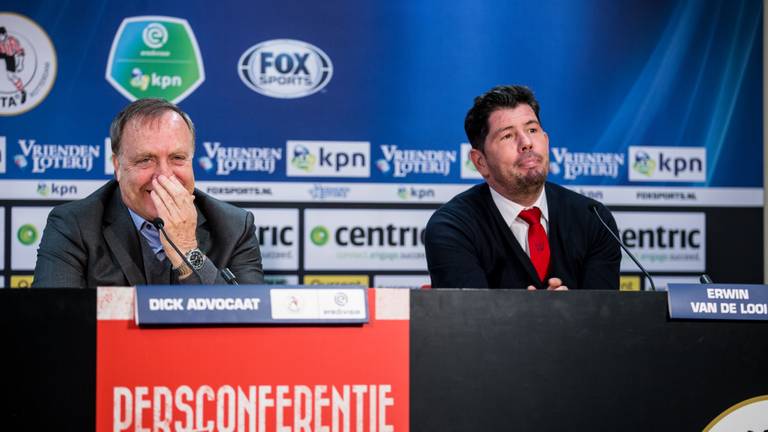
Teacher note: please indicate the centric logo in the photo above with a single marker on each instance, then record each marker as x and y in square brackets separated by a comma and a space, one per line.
[285, 68]
[319, 235]
[155, 35]
[27, 234]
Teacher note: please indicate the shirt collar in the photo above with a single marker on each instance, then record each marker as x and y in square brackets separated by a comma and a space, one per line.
[510, 210]
[137, 220]
[150, 234]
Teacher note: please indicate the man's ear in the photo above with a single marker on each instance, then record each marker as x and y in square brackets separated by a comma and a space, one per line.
[478, 158]
[116, 166]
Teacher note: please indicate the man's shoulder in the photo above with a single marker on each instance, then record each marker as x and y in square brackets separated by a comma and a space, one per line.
[571, 208]
[567, 198]
[91, 206]
[465, 209]
[471, 200]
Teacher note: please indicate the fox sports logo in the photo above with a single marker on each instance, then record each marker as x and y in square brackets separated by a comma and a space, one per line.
[285, 68]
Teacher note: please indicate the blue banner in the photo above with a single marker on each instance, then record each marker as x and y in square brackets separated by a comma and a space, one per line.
[632, 93]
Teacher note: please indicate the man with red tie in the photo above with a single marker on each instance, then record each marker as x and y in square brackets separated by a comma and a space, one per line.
[517, 230]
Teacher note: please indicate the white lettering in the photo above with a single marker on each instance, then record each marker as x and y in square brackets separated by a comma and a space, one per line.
[318, 408]
[703, 307]
[142, 403]
[264, 402]
[754, 308]
[122, 399]
[728, 293]
[225, 409]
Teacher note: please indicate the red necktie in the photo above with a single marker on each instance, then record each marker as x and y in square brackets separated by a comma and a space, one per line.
[538, 245]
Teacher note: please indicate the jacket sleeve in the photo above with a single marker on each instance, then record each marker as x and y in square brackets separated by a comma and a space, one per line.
[452, 255]
[61, 257]
[244, 262]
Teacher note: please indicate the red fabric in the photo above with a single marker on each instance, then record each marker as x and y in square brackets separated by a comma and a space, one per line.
[538, 245]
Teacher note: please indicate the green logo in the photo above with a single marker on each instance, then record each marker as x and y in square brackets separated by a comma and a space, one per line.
[154, 56]
[402, 192]
[644, 164]
[42, 189]
[27, 234]
[319, 235]
[304, 163]
[303, 159]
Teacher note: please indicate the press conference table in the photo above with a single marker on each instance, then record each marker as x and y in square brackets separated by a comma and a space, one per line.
[480, 360]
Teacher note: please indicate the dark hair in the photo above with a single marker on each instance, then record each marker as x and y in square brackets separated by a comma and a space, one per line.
[149, 108]
[476, 121]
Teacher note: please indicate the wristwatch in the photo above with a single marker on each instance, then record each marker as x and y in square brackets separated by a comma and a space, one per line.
[195, 257]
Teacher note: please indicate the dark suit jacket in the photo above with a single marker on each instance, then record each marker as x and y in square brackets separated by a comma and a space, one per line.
[469, 245]
[94, 242]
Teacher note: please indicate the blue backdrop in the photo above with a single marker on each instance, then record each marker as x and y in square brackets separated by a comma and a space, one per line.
[653, 107]
[608, 74]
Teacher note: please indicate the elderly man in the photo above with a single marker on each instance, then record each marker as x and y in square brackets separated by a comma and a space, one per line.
[517, 230]
[108, 239]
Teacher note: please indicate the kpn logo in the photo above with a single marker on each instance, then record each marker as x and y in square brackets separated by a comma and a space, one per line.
[285, 68]
[155, 56]
[328, 158]
[643, 164]
[303, 159]
[670, 164]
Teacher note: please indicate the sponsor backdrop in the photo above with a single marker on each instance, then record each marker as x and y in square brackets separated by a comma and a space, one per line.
[341, 125]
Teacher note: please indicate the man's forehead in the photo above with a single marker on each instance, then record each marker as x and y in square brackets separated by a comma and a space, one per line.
[143, 134]
[154, 121]
[503, 117]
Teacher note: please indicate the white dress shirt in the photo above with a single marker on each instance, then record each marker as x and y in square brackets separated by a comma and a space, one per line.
[510, 211]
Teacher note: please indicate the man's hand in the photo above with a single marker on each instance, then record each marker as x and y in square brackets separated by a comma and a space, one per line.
[175, 205]
[555, 284]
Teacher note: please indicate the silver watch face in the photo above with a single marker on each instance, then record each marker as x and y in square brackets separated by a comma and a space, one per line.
[196, 258]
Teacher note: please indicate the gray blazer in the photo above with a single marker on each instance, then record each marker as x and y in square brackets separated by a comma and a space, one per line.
[93, 242]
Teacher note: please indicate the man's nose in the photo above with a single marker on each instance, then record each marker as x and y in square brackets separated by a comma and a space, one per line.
[164, 168]
[524, 142]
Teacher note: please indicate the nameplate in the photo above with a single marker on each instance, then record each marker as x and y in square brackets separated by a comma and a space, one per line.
[250, 304]
[718, 301]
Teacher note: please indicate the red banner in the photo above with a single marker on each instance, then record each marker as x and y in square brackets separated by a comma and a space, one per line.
[285, 379]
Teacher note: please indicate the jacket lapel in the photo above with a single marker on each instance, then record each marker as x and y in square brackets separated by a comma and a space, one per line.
[122, 239]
